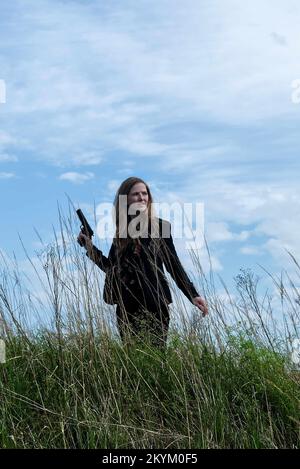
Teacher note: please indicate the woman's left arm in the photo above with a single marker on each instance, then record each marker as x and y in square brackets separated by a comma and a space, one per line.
[176, 270]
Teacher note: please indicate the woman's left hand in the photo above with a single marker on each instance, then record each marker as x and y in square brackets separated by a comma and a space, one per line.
[201, 304]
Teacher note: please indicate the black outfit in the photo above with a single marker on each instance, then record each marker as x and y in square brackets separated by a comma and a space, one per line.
[135, 281]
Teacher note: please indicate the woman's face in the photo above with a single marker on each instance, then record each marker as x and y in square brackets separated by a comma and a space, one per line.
[138, 195]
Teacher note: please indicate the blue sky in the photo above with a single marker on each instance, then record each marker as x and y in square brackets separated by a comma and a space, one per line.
[195, 97]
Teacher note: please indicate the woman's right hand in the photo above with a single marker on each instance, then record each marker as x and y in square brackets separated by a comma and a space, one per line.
[85, 241]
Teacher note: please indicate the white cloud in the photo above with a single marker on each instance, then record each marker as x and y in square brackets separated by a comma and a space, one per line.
[76, 178]
[6, 138]
[113, 185]
[87, 158]
[271, 210]
[219, 61]
[2, 92]
[218, 231]
[4, 175]
[251, 250]
[6, 158]
[140, 143]
[6, 141]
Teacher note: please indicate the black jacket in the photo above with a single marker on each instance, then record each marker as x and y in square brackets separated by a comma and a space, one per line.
[132, 280]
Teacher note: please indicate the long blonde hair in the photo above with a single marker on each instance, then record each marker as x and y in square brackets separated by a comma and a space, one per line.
[125, 189]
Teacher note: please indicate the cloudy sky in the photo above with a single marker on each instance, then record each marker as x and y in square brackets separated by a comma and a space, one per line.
[194, 96]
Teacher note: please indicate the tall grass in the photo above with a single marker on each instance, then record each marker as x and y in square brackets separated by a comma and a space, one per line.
[222, 382]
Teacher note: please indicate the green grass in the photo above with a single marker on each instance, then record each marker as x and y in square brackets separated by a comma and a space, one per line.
[89, 392]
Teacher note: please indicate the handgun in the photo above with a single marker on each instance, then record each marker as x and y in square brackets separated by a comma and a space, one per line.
[85, 227]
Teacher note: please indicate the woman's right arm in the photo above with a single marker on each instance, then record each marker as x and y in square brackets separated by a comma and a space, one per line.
[94, 253]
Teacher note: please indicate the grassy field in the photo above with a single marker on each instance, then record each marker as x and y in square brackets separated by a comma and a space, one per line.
[89, 392]
[224, 382]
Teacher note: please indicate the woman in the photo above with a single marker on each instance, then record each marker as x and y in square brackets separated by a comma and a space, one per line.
[135, 279]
